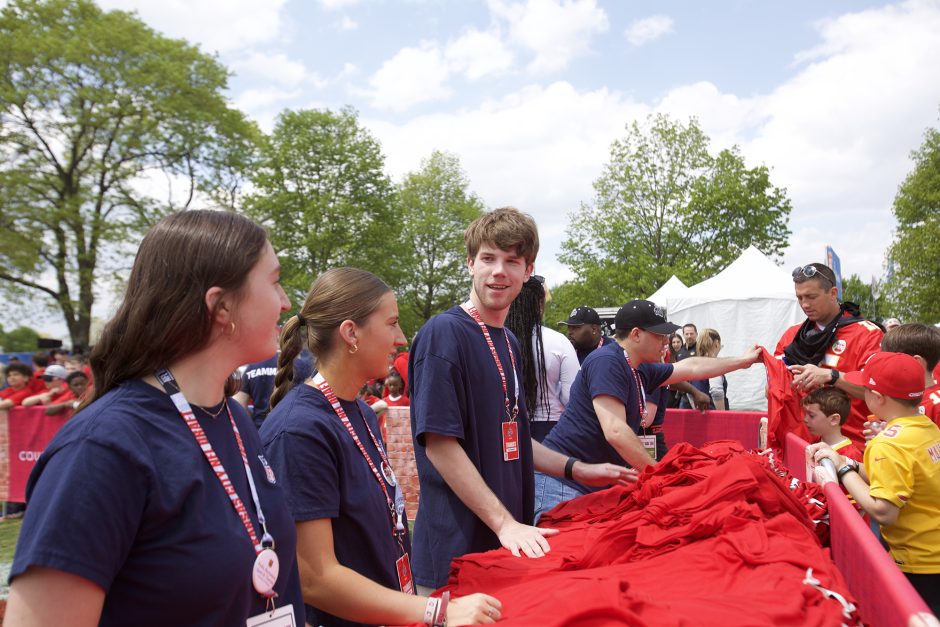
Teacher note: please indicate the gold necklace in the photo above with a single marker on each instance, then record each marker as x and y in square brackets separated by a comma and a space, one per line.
[209, 413]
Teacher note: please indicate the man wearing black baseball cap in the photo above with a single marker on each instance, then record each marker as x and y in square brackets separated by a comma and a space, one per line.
[584, 331]
[607, 399]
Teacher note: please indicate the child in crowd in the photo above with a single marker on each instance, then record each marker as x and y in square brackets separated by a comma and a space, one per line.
[396, 391]
[71, 399]
[899, 483]
[19, 376]
[825, 410]
[54, 379]
[922, 342]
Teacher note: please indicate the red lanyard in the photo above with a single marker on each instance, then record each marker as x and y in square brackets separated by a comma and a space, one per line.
[324, 386]
[601, 342]
[640, 394]
[470, 309]
[182, 405]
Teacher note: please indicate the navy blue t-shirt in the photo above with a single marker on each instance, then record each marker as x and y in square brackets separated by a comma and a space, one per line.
[456, 391]
[604, 372]
[124, 497]
[258, 382]
[324, 475]
[584, 352]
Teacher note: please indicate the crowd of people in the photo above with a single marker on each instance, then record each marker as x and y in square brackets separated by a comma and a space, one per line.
[162, 501]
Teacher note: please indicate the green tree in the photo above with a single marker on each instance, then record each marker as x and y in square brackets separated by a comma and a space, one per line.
[665, 206]
[435, 206]
[19, 340]
[855, 290]
[323, 193]
[93, 106]
[914, 289]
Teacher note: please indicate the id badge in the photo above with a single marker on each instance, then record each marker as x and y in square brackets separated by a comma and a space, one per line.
[649, 443]
[281, 617]
[403, 566]
[510, 441]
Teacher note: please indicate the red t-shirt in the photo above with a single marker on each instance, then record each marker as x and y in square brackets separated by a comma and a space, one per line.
[64, 397]
[401, 365]
[931, 403]
[16, 396]
[853, 345]
[36, 384]
[401, 401]
[848, 449]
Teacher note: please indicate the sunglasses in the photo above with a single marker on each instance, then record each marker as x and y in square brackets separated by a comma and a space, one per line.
[801, 273]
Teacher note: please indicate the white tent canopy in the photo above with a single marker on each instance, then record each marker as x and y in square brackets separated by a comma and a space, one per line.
[673, 287]
[751, 301]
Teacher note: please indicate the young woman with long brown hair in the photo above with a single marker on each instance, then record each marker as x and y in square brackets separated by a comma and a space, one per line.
[154, 504]
[324, 445]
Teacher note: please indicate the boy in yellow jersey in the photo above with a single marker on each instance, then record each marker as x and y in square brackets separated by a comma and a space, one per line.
[899, 484]
[825, 410]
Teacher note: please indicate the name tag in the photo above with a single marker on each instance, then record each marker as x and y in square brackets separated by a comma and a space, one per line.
[649, 443]
[510, 441]
[281, 617]
[403, 566]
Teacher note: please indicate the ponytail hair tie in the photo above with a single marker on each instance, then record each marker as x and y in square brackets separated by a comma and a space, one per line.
[301, 321]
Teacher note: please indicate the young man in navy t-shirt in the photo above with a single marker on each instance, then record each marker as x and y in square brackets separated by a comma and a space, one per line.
[473, 448]
[607, 403]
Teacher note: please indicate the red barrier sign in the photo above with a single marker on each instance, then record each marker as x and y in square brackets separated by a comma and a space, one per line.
[29, 431]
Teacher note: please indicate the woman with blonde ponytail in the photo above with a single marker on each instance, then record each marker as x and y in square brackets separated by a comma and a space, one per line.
[353, 547]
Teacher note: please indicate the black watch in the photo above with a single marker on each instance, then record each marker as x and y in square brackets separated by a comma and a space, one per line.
[833, 377]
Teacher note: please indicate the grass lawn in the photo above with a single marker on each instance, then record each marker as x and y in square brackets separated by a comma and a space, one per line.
[9, 532]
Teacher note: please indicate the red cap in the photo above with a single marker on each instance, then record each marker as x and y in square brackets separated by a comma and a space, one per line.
[893, 374]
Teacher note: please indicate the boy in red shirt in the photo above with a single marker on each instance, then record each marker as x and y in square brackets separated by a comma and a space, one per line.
[18, 379]
[825, 410]
[54, 379]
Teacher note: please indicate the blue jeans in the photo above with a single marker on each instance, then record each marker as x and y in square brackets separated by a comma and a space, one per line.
[549, 492]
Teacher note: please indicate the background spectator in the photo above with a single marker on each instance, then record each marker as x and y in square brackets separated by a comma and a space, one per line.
[18, 376]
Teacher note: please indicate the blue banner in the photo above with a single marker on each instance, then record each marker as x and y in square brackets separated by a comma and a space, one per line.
[832, 260]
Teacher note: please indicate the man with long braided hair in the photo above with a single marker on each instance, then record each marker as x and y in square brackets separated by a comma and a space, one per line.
[549, 361]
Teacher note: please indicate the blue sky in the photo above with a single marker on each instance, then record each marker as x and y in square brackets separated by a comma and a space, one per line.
[832, 96]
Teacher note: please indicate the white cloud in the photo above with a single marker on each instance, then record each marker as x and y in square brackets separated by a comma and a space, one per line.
[276, 67]
[333, 5]
[264, 104]
[477, 54]
[556, 31]
[539, 148]
[838, 134]
[347, 23]
[218, 25]
[648, 29]
[412, 76]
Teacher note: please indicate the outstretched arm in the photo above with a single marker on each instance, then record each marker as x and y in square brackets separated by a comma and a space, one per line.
[464, 479]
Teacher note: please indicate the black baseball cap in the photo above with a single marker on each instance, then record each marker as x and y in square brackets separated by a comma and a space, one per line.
[582, 315]
[644, 315]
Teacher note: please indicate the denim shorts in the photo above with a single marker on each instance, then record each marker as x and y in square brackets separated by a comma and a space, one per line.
[549, 492]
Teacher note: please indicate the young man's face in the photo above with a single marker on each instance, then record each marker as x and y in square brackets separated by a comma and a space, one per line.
[497, 276]
[690, 335]
[16, 380]
[816, 421]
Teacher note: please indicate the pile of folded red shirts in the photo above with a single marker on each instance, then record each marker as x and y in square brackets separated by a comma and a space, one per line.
[709, 536]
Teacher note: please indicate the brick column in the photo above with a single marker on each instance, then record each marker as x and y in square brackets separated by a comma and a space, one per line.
[402, 456]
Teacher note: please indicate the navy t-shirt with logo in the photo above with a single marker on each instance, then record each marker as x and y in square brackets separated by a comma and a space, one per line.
[605, 372]
[124, 497]
[324, 475]
[258, 382]
[456, 391]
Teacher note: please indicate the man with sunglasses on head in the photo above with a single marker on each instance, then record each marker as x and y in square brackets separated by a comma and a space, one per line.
[833, 339]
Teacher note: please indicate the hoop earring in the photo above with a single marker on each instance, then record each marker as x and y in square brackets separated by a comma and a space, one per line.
[354, 349]
[232, 332]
